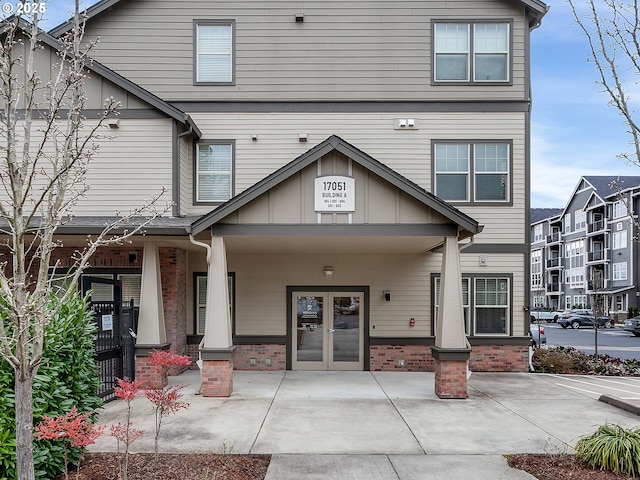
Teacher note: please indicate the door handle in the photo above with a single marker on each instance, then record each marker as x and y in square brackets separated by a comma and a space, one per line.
[331, 330]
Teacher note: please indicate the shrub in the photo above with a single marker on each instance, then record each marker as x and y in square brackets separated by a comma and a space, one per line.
[611, 447]
[67, 377]
[560, 360]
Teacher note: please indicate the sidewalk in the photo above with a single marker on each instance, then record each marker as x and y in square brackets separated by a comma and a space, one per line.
[375, 425]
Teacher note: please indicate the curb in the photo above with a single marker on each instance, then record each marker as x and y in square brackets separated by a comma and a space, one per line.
[616, 402]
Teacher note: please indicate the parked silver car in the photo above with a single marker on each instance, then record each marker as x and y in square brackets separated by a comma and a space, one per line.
[537, 334]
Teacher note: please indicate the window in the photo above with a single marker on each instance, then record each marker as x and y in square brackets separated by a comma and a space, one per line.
[567, 302]
[471, 52]
[619, 209]
[619, 240]
[213, 51]
[579, 301]
[580, 220]
[538, 233]
[538, 301]
[492, 305]
[214, 172]
[466, 171]
[620, 303]
[536, 269]
[620, 271]
[486, 304]
[201, 299]
[567, 223]
[575, 273]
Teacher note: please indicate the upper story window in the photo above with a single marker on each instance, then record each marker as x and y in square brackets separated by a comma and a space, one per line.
[538, 233]
[214, 172]
[472, 172]
[566, 220]
[619, 209]
[213, 52]
[471, 51]
[580, 220]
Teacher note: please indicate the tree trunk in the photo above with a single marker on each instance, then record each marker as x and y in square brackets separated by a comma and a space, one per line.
[24, 427]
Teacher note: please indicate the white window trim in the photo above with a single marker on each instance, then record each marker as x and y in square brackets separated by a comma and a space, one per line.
[620, 271]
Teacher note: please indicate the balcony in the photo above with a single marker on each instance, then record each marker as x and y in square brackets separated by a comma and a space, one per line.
[554, 288]
[597, 257]
[597, 227]
[554, 238]
[554, 263]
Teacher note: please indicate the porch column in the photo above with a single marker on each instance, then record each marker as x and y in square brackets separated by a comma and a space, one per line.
[151, 332]
[216, 348]
[451, 351]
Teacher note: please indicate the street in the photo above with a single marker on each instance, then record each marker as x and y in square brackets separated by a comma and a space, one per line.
[614, 342]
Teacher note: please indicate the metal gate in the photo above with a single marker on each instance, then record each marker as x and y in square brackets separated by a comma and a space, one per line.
[115, 337]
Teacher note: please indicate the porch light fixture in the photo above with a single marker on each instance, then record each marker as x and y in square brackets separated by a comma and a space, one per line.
[302, 137]
[114, 123]
[328, 271]
[387, 295]
[299, 17]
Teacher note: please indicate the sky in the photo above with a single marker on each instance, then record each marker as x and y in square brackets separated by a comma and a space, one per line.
[573, 130]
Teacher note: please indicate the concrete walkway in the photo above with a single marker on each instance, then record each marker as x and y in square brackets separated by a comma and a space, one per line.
[375, 425]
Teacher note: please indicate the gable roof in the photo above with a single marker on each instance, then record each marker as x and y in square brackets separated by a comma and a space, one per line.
[537, 10]
[118, 80]
[602, 186]
[335, 143]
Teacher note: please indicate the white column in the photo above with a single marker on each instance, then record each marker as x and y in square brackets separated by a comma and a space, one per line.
[151, 328]
[450, 320]
[217, 329]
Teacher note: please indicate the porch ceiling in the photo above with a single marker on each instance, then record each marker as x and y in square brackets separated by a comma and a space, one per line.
[390, 244]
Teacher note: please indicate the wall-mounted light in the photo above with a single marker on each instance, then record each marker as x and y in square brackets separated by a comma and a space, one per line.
[387, 295]
[299, 17]
[133, 258]
[328, 271]
[302, 137]
[483, 261]
[113, 123]
[254, 137]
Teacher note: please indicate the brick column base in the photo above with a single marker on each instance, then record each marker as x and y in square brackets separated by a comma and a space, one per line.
[217, 378]
[148, 375]
[451, 372]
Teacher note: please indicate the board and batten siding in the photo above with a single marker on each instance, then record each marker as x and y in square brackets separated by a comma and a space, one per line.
[344, 50]
[261, 282]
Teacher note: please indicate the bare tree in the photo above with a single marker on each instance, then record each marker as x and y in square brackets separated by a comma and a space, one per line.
[46, 145]
[612, 29]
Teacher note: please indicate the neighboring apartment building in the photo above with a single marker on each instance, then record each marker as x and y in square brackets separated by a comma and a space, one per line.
[588, 248]
[330, 160]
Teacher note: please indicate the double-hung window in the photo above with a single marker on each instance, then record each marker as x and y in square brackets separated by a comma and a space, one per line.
[477, 172]
[214, 172]
[213, 52]
[471, 51]
[620, 271]
[486, 303]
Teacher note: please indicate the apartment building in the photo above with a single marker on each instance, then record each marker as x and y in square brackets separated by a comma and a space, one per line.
[589, 248]
[350, 182]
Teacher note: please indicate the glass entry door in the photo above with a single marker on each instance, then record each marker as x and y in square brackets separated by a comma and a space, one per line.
[328, 333]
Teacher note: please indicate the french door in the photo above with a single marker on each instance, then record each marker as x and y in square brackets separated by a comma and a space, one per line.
[327, 330]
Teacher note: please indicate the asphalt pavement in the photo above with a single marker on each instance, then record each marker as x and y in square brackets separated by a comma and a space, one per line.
[377, 425]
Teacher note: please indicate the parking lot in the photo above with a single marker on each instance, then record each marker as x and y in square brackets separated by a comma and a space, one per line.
[625, 390]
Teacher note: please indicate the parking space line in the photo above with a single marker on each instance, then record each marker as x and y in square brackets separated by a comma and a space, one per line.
[576, 388]
[595, 384]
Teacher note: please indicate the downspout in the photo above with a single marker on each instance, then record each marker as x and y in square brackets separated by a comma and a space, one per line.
[199, 361]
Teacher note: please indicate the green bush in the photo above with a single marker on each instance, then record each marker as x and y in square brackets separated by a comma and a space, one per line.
[68, 376]
[560, 360]
[611, 447]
